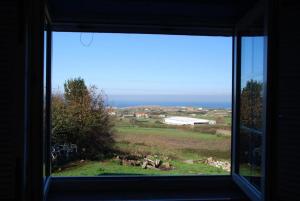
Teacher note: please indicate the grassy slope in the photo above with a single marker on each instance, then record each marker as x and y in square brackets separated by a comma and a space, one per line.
[92, 168]
[177, 144]
[166, 132]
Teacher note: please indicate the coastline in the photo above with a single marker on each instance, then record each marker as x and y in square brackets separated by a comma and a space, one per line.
[206, 105]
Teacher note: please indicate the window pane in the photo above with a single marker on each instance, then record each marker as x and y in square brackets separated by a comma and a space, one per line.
[141, 104]
[45, 157]
[251, 105]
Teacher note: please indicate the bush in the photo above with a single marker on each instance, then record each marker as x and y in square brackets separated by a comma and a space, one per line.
[79, 117]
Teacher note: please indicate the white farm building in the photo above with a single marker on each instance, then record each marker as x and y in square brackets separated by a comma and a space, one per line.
[177, 120]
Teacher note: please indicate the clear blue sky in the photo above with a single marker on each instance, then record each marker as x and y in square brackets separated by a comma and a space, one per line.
[138, 66]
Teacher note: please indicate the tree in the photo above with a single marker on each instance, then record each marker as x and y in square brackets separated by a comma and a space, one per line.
[79, 116]
[61, 125]
[251, 104]
[75, 90]
[251, 117]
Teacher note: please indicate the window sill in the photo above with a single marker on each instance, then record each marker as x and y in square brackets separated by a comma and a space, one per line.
[217, 188]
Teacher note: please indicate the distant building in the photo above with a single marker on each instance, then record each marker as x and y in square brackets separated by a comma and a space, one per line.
[141, 115]
[178, 120]
[127, 115]
[112, 113]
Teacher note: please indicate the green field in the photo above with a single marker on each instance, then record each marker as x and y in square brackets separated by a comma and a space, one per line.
[92, 168]
[175, 145]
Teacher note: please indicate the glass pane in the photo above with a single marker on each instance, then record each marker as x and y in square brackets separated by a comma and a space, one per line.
[140, 104]
[44, 107]
[251, 105]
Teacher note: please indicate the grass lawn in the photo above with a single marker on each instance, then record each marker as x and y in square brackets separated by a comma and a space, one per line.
[92, 168]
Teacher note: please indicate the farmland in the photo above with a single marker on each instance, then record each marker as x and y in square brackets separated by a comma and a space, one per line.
[180, 150]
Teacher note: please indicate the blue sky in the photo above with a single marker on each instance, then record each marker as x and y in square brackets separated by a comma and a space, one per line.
[252, 59]
[146, 67]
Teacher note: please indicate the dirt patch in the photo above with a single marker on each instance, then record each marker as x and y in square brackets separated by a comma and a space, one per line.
[71, 165]
[223, 132]
[175, 143]
[219, 154]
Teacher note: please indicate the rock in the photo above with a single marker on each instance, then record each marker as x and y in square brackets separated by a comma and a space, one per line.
[157, 163]
[190, 161]
[145, 163]
[152, 167]
[165, 165]
[225, 165]
[209, 160]
[150, 161]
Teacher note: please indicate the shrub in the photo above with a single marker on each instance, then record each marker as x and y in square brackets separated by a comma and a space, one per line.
[79, 117]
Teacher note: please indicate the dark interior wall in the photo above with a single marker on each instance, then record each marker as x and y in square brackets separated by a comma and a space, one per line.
[10, 45]
[21, 70]
[287, 126]
[207, 17]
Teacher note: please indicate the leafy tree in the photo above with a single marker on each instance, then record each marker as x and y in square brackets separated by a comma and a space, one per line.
[75, 90]
[251, 117]
[251, 104]
[79, 116]
[61, 125]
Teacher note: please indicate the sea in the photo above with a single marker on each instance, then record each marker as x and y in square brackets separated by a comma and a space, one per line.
[208, 105]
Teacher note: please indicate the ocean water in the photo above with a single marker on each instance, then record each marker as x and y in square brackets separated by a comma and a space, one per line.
[208, 105]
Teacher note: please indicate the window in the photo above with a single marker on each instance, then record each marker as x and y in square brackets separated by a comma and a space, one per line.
[74, 102]
[140, 104]
[250, 108]
[47, 101]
